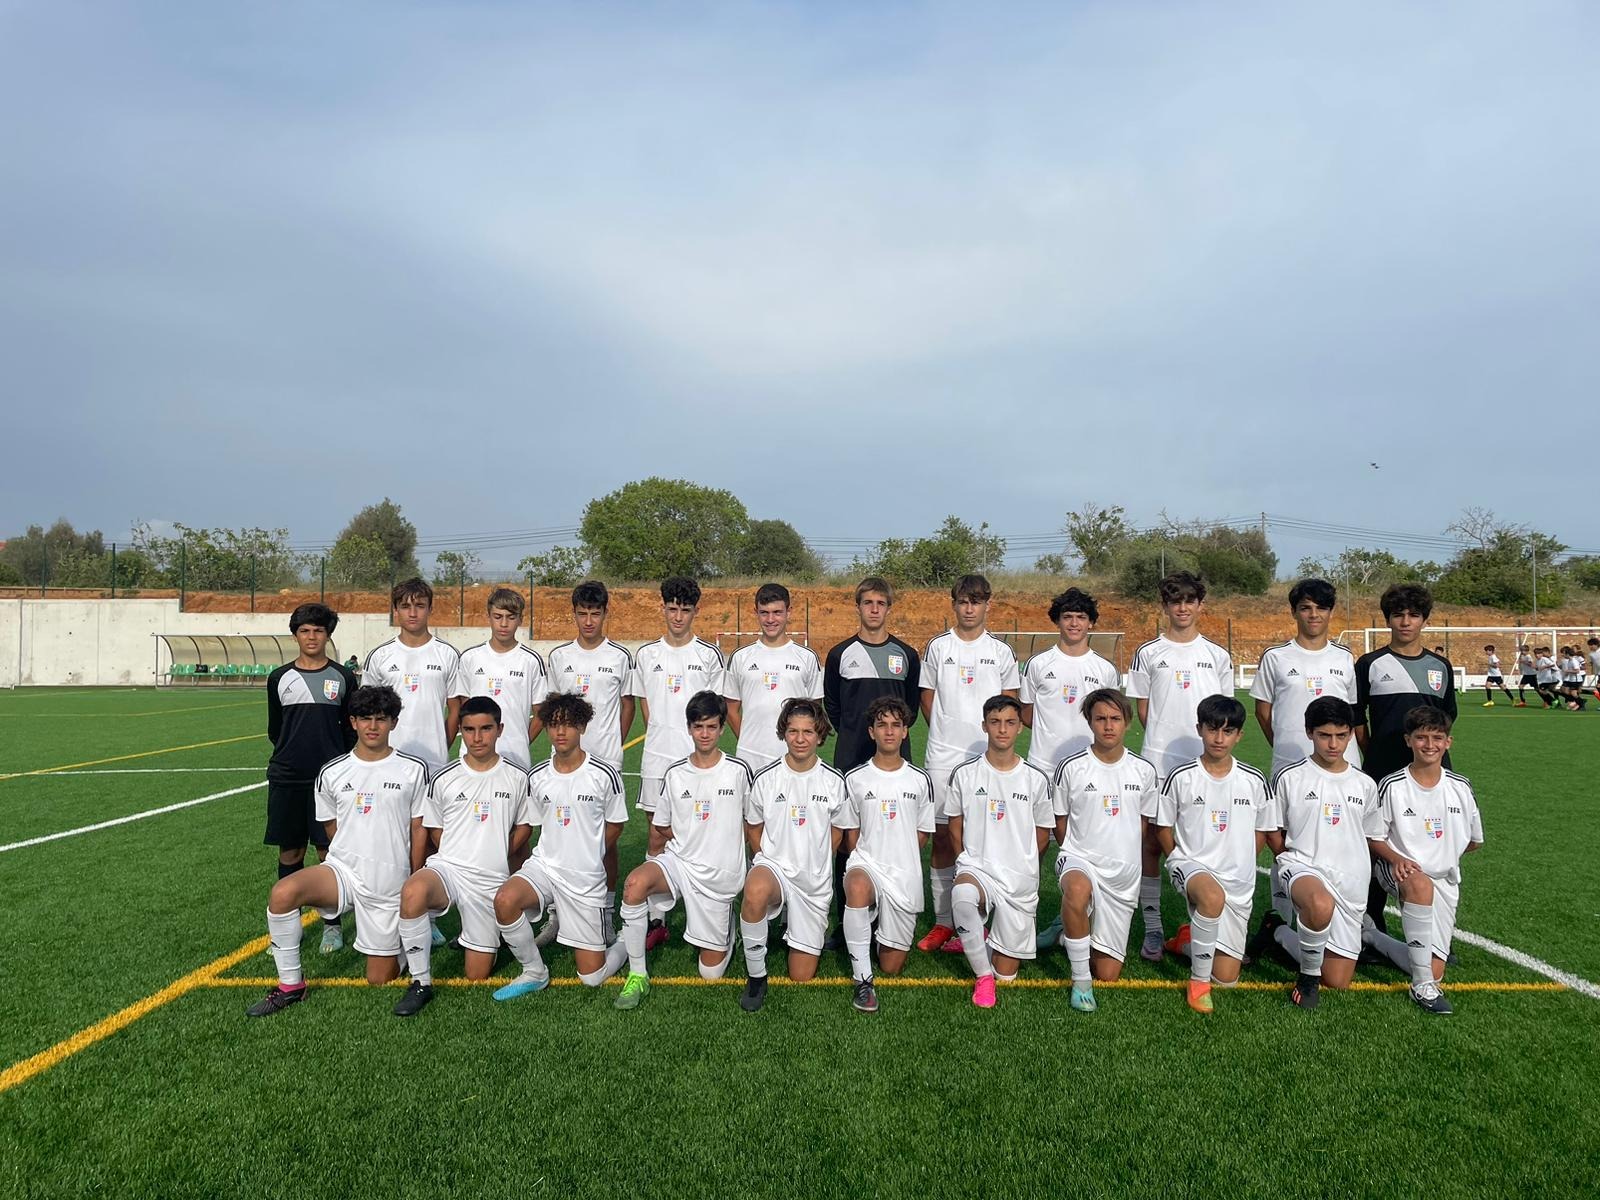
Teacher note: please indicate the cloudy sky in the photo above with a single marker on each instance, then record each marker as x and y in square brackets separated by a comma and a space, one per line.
[864, 265]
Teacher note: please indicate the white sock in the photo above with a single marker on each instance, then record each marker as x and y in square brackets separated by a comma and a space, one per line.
[659, 906]
[635, 924]
[1202, 945]
[519, 937]
[616, 959]
[416, 936]
[964, 898]
[940, 880]
[1313, 943]
[284, 929]
[1391, 948]
[1286, 937]
[1078, 959]
[1416, 922]
[1281, 904]
[755, 946]
[1150, 907]
[858, 940]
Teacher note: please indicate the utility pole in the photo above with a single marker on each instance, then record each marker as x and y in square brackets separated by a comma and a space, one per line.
[1533, 547]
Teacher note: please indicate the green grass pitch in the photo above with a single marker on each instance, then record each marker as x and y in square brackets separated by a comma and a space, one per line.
[560, 1095]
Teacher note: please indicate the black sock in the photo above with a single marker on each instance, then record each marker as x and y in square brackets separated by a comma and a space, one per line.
[287, 869]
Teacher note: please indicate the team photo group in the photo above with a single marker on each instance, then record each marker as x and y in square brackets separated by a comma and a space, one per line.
[1361, 808]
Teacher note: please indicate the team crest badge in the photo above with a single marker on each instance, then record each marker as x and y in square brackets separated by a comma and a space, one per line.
[889, 808]
[1184, 679]
[364, 802]
[1314, 684]
[966, 674]
[330, 689]
[1069, 692]
[897, 664]
[1436, 680]
[769, 680]
[563, 814]
[582, 683]
[674, 684]
[997, 809]
[409, 682]
[1111, 804]
[494, 686]
[1219, 820]
[1432, 827]
[797, 815]
[480, 810]
[1332, 811]
[702, 810]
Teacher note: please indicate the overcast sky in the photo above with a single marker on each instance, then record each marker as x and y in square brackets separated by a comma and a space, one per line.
[863, 265]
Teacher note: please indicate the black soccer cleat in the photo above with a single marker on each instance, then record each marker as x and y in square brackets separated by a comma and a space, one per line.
[755, 993]
[866, 996]
[1262, 941]
[415, 1000]
[275, 1001]
[1304, 991]
[1430, 998]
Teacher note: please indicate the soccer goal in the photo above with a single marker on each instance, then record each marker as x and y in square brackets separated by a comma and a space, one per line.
[1462, 645]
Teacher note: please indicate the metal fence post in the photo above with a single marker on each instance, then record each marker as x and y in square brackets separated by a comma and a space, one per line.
[461, 602]
[252, 583]
[113, 570]
[183, 573]
[1230, 644]
[532, 637]
[322, 580]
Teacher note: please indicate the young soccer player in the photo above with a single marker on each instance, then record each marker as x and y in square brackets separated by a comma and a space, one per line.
[581, 808]
[1594, 665]
[1055, 681]
[1211, 821]
[371, 802]
[1105, 797]
[1572, 678]
[510, 674]
[791, 818]
[1528, 675]
[763, 675]
[1000, 815]
[887, 819]
[478, 817]
[1429, 820]
[308, 724]
[426, 672]
[1169, 677]
[1293, 675]
[1493, 678]
[1547, 677]
[1323, 811]
[961, 669]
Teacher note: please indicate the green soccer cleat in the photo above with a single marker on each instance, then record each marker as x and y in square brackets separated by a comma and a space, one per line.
[1050, 936]
[633, 992]
[1082, 999]
[332, 940]
[523, 985]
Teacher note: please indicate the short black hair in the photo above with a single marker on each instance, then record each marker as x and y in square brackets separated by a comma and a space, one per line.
[1182, 585]
[772, 593]
[1406, 597]
[1329, 710]
[473, 706]
[971, 587]
[996, 703]
[887, 706]
[1319, 591]
[1105, 695]
[680, 589]
[1427, 716]
[703, 706]
[565, 708]
[1219, 712]
[1074, 600]
[313, 614]
[591, 593]
[375, 700]
[799, 706]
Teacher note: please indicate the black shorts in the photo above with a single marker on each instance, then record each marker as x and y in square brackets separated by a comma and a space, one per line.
[292, 817]
[1529, 681]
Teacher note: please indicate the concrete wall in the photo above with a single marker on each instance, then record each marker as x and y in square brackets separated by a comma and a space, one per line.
[59, 643]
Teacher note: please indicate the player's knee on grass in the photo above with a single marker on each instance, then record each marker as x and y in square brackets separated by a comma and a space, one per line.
[1103, 968]
[479, 965]
[1224, 968]
[802, 967]
[891, 962]
[592, 978]
[1338, 972]
[714, 963]
[858, 891]
[382, 968]
[1005, 969]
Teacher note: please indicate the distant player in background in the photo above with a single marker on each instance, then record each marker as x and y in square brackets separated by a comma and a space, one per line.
[962, 669]
[308, 724]
[1492, 678]
[1572, 678]
[1594, 665]
[1549, 677]
[1169, 678]
[762, 676]
[509, 673]
[1528, 674]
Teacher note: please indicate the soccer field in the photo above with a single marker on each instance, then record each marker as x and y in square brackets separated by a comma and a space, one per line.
[131, 950]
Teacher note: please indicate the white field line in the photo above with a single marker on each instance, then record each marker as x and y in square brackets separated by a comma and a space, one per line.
[138, 816]
[147, 771]
[1512, 955]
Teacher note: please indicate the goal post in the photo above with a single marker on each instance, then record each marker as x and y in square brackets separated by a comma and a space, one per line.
[1026, 643]
[1464, 644]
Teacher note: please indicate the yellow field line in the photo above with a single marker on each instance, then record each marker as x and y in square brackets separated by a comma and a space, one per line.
[21, 1072]
[95, 762]
[1162, 985]
[630, 745]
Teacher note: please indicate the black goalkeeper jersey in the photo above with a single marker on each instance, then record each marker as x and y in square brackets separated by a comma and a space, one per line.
[308, 720]
[855, 675]
[1388, 686]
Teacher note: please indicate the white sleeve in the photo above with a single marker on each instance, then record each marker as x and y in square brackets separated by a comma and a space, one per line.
[926, 817]
[1476, 817]
[1060, 790]
[715, 672]
[1265, 683]
[1373, 825]
[755, 807]
[813, 678]
[458, 681]
[431, 817]
[616, 800]
[524, 810]
[849, 814]
[1267, 810]
[635, 685]
[1025, 688]
[1167, 805]
[1009, 677]
[326, 810]
[730, 679]
[1044, 807]
[1224, 673]
[1138, 678]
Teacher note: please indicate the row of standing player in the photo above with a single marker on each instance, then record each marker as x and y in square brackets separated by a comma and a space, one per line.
[1557, 681]
[959, 669]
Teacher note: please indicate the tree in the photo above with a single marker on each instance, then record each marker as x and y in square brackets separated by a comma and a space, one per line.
[653, 528]
[1097, 534]
[1498, 568]
[359, 563]
[454, 567]
[1142, 563]
[954, 550]
[775, 548]
[222, 559]
[53, 555]
[384, 524]
[1584, 571]
[1234, 561]
[560, 566]
[1051, 564]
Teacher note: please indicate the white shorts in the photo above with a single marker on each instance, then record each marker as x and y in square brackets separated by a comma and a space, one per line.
[1110, 917]
[1013, 922]
[1344, 933]
[941, 792]
[896, 927]
[1446, 896]
[582, 924]
[649, 793]
[806, 926]
[708, 922]
[377, 917]
[480, 930]
[1233, 927]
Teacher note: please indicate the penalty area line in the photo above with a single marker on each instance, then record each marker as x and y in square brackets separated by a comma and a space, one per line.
[98, 762]
[131, 817]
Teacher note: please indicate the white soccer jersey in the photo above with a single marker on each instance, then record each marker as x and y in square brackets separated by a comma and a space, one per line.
[1594, 664]
[374, 803]
[426, 677]
[890, 808]
[1104, 804]
[1174, 677]
[761, 678]
[1547, 669]
[602, 676]
[1055, 683]
[572, 809]
[514, 681]
[1430, 826]
[1289, 678]
[1493, 671]
[1214, 822]
[797, 813]
[1001, 813]
[665, 677]
[1574, 669]
[1326, 818]
[475, 812]
[706, 811]
[962, 675]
